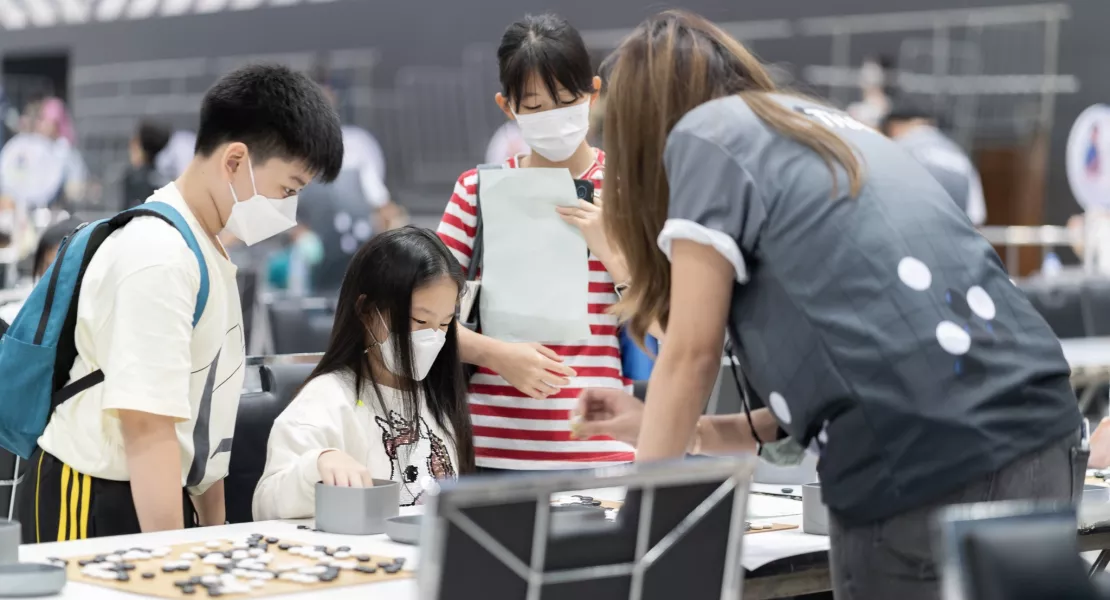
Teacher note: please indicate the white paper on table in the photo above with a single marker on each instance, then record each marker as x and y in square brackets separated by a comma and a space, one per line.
[535, 266]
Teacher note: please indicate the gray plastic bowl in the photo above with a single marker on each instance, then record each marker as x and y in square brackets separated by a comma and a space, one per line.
[356, 511]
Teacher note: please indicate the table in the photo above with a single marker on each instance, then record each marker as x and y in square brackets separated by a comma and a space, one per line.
[1089, 359]
[779, 563]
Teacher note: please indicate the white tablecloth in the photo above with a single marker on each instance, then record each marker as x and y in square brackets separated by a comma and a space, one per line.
[758, 549]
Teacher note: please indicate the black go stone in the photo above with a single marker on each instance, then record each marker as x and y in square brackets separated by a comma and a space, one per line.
[124, 577]
[302, 526]
[127, 567]
[384, 564]
[99, 557]
[272, 540]
[169, 569]
[284, 546]
[84, 563]
[184, 568]
[363, 558]
[400, 560]
[367, 570]
[344, 549]
[182, 583]
[195, 580]
[257, 536]
[392, 569]
[215, 591]
[321, 548]
[148, 575]
[188, 590]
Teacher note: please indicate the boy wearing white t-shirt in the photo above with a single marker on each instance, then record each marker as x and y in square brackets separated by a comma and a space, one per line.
[147, 449]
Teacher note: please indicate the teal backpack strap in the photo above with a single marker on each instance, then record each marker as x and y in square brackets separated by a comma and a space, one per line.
[182, 226]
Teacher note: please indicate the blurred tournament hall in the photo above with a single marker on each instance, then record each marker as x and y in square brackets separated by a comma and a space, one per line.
[1004, 102]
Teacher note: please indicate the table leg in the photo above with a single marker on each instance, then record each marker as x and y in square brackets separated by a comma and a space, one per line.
[1100, 563]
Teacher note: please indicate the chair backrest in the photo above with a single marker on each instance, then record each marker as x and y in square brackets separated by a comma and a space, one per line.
[257, 412]
[1060, 302]
[1011, 551]
[300, 325]
[1096, 299]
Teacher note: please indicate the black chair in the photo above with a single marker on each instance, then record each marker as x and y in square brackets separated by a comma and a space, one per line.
[1060, 302]
[1096, 299]
[257, 412]
[1013, 551]
[301, 325]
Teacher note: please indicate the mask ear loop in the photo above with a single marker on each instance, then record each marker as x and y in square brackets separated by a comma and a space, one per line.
[250, 169]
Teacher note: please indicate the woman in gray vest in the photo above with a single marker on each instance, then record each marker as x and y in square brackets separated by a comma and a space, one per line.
[878, 325]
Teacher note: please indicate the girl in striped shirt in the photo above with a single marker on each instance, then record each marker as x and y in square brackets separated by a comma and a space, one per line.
[522, 394]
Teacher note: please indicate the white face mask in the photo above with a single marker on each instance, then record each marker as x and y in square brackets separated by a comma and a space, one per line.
[556, 134]
[426, 344]
[260, 218]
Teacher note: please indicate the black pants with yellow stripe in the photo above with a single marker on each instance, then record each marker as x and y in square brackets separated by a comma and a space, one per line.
[55, 503]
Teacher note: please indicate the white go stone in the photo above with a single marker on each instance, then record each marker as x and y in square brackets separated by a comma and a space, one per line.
[240, 572]
[210, 579]
[239, 555]
[341, 555]
[313, 570]
[255, 552]
[113, 558]
[266, 558]
[213, 544]
[189, 556]
[136, 555]
[346, 565]
[240, 546]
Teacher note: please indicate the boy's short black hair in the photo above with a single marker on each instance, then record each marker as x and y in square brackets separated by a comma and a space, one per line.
[276, 113]
[153, 137]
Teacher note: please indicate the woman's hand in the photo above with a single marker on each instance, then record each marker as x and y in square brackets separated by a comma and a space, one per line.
[587, 218]
[608, 412]
[532, 368]
[341, 470]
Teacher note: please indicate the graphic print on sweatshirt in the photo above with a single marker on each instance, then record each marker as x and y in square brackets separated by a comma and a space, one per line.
[417, 457]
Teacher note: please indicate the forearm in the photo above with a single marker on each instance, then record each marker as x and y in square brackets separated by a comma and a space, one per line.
[679, 385]
[477, 349]
[210, 505]
[730, 434]
[154, 465]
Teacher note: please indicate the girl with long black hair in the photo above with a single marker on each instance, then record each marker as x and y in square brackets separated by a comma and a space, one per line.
[388, 398]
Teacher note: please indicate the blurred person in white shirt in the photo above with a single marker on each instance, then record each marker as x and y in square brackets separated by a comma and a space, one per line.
[362, 153]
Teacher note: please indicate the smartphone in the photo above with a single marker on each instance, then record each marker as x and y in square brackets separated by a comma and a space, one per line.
[584, 189]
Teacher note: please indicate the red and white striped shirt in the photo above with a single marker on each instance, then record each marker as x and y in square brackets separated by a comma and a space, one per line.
[512, 430]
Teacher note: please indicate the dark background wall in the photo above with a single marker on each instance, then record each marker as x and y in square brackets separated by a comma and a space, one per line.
[427, 33]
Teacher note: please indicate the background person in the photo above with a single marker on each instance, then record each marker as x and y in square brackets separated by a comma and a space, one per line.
[905, 357]
[915, 129]
[142, 177]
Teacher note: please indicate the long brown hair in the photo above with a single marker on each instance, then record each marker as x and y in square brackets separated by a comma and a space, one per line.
[672, 63]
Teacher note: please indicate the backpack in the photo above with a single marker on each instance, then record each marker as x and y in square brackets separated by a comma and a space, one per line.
[38, 350]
